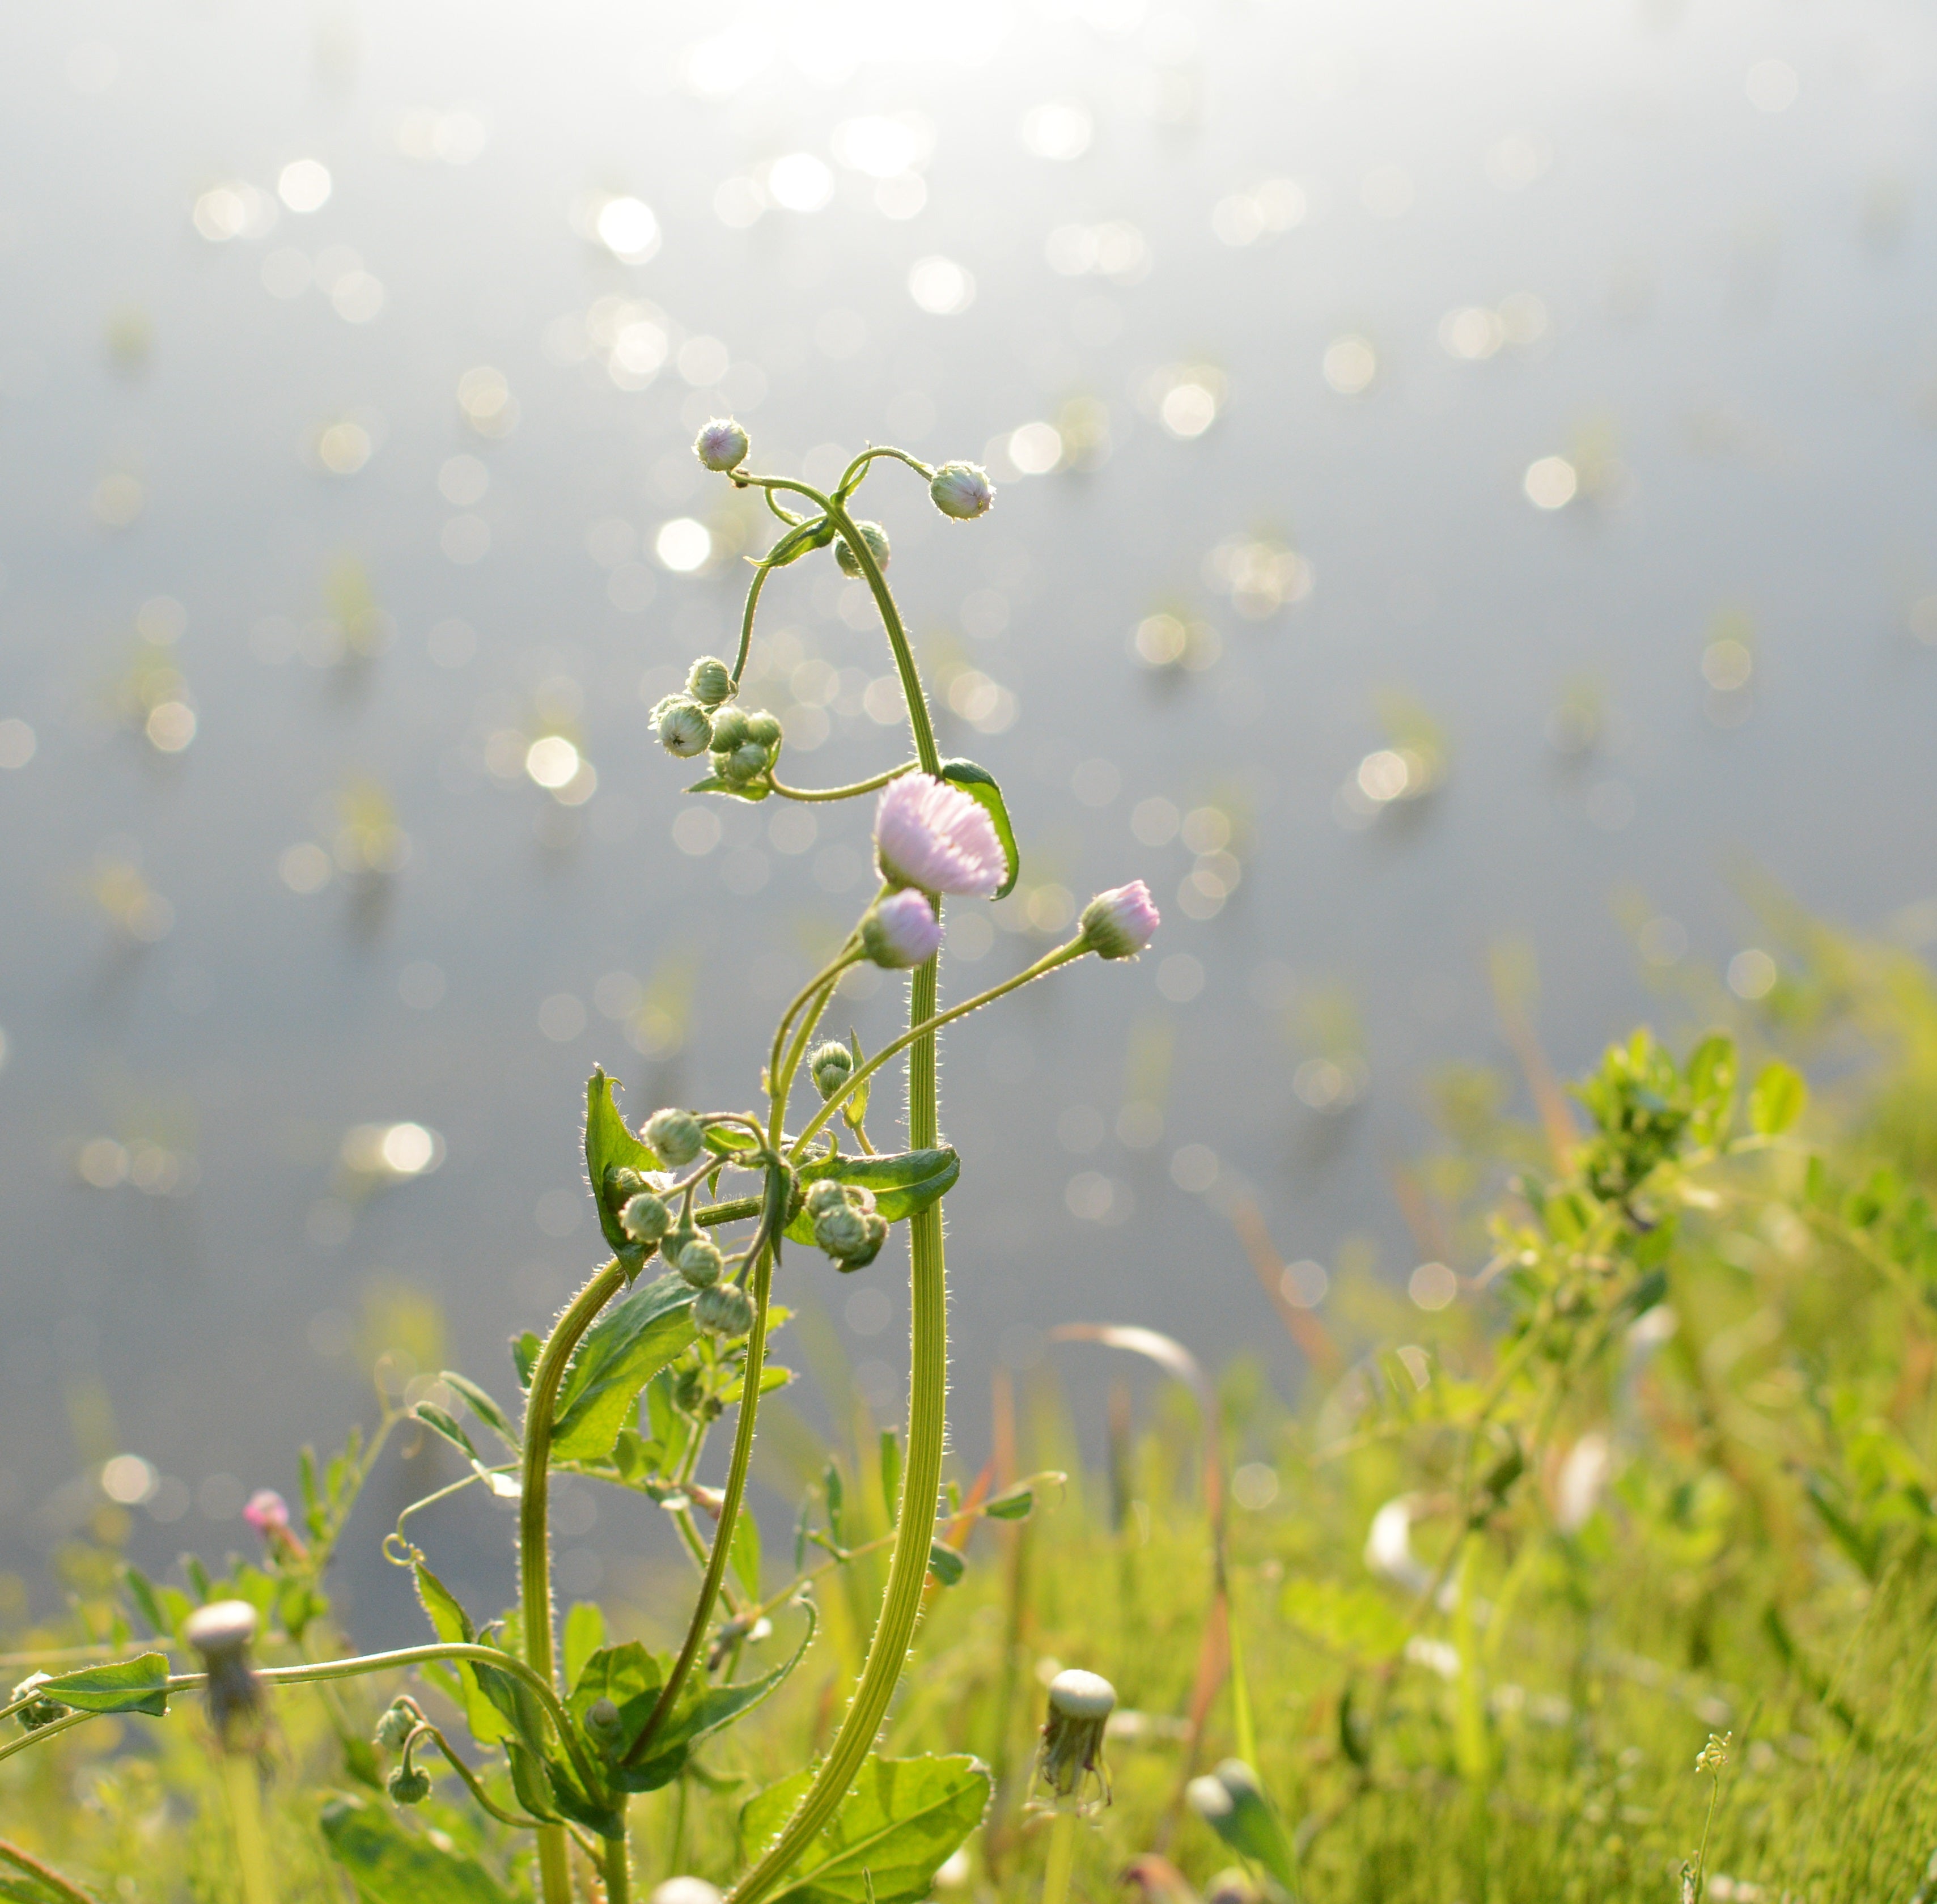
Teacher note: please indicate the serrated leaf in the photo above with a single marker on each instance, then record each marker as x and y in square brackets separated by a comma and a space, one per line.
[1777, 1100]
[136, 1685]
[611, 1143]
[622, 1351]
[980, 785]
[482, 1406]
[902, 1183]
[902, 1820]
[390, 1864]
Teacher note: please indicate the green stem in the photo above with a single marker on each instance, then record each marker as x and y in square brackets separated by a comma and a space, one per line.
[245, 1818]
[47, 1731]
[924, 1033]
[477, 1790]
[928, 1380]
[534, 1541]
[747, 623]
[618, 1864]
[1062, 1856]
[44, 1875]
[873, 783]
[867, 456]
[730, 1508]
[776, 1092]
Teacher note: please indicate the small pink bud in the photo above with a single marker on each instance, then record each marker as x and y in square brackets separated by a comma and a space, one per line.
[267, 1512]
[1118, 924]
[902, 930]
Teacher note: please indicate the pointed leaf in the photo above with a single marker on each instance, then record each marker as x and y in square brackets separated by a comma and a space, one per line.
[136, 1685]
[738, 790]
[452, 1624]
[901, 1822]
[434, 1418]
[902, 1184]
[526, 1350]
[980, 785]
[1777, 1100]
[482, 1405]
[622, 1351]
[801, 540]
[388, 1863]
[610, 1143]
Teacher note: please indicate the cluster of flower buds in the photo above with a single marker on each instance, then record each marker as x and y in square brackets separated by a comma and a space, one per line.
[674, 1137]
[689, 723]
[725, 1310]
[744, 745]
[830, 1066]
[846, 1224]
[876, 537]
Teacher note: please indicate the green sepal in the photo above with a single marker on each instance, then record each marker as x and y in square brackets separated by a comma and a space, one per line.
[136, 1685]
[980, 785]
[611, 1143]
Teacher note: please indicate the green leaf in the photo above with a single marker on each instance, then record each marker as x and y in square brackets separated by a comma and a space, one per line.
[1017, 1504]
[390, 1864]
[801, 540]
[610, 1143]
[434, 1418]
[1712, 1067]
[482, 1407]
[745, 1553]
[622, 1351]
[738, 790]
[482, 1713]
[945, 1566]
[902, 1184]
[772, 1376]
[584, 1634]
[136, 1685]
[891, 1473]
[901, 1822]
[980, 785]
[1231, 1802]
[526, 1350]
[1777, 1100]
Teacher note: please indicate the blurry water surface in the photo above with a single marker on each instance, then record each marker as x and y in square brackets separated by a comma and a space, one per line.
[1466, 477]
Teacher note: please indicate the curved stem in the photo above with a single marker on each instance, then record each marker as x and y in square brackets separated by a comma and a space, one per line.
[867, 456]
[533, 1541]
[860, 787]
[730, 1508]
[919, 723]
[46, 1731]
[746, 620]
[926, 1030]
[797, 1051]
[44, 1875]
[477, 1790]
[776, 1096]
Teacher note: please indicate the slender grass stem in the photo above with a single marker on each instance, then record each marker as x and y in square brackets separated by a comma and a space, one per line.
[1062, 1860]
[245, 1820]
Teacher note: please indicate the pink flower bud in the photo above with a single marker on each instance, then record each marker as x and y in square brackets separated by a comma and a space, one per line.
[1118, 924]
[902, 930]
[932, 835]
[267, 1512]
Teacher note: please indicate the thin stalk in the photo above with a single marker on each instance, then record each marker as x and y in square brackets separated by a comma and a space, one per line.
[245, 1818]
[923, 1033]
[50, 1880]
[1062, 1856]
[777, 1096]
[873, 783]
[10, 1746]
[475, 1786]
[928, 1380]
[747, 623]
[534, 1535]
[867, 456]
[618, 1872]
[730, 1508]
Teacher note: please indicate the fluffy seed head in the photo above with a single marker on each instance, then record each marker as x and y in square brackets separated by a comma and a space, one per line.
[933, 835]
[1118, 924]
[721, 444]
[963, 490]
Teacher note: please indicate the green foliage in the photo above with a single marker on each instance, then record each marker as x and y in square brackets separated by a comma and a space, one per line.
[980, 785]
[610, 1145]
[901, 1183]
[136, 1685]
[623, 1350]
[390, 1864]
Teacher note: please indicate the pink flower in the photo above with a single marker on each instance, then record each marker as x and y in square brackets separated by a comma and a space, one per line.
[903, 930]
[932, 835]
[1118, 924]
[267, 1512]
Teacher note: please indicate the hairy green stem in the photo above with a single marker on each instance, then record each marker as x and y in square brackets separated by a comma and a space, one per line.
[1062, 1856]
[618, 1871]
[872, 784]
[534, 1535]
[730, 1508]
[747, 623]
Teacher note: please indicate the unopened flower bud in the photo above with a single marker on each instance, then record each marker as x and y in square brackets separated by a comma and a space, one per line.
[901, 931]
[1079, 1705]
[700, 1262]
[721, 444]
[763, 729]
[408, 1785]
[747, 761]
[824, 1195]
[711, 682]
[602, 1720]
[396, 1725]
[267, 1513]
[725, 1309]
[682, 726]
[673, 1136]
[684, 1890]
[1118, 924]
[645, 1218]
[830, 1067]
[729, 730]
[876, 537]
[622, 1183]
[841, 1231]
[963, 490]
[42, 1711]
[220, 1631]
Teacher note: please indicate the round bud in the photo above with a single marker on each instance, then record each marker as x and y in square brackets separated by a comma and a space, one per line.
[874, 1233]
[645, 1218]
[710, 681]
[41, 1711]
[721, 445]
[622, 1183]
[1118, 924]
[824, 1195]
[963, 490]
[763, 728]
[876, 537]
[682, 726]
[725, 1309]
[601, 1719]
[408, 1785]
[395, 1726]
[729, 730]
[830, 1067]
[673, 1136]
[700, 1262]
[841, 1231]
[747, 761]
